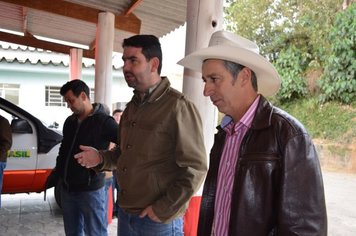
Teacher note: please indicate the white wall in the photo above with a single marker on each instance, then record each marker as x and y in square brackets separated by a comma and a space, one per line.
[33, 78]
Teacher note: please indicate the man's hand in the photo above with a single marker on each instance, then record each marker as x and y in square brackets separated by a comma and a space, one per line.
[89, 157]
[149, 212]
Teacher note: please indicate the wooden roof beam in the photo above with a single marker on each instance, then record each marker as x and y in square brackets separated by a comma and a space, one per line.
[37, 43]
[129, 22]
[132, 7]
[24, 19]
[92, 45]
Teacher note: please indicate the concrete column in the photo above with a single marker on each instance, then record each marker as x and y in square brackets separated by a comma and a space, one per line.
[103, 57]
[203, 18]
[75, 65]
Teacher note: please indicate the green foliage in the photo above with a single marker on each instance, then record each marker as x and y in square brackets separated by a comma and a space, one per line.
[294, 35]
[274, 24]
[315, 19]
[290, 64]
[339, 80]
[301, 36]
[331, 121]
[256, 20]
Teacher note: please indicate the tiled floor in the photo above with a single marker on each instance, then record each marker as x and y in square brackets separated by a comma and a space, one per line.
[30, 215]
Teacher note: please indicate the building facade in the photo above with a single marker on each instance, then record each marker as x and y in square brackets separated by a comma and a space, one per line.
[32, 79]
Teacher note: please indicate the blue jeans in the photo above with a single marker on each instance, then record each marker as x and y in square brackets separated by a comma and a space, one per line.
[133, 225]
[84, 213]
[2, 167]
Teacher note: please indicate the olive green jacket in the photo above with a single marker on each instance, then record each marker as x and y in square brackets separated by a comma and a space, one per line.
[163, 160]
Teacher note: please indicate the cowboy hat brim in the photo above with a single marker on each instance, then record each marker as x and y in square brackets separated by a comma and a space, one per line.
[268, 80]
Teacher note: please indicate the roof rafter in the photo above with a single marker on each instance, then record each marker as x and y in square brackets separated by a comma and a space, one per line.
[24, 20]
[37, 43]
[132, 7]
[129, 22]
[126, 22]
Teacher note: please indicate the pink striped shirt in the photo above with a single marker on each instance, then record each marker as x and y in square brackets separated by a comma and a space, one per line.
[234, 135]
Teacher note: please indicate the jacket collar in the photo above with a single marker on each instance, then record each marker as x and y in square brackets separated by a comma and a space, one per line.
[156, 93]
[262, 117]
[263, 114]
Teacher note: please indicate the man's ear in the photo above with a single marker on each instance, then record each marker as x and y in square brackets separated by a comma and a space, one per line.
[155, 64]
[246, 75]
[83, 96]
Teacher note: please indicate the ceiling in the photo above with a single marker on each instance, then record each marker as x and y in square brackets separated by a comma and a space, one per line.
[75, 21]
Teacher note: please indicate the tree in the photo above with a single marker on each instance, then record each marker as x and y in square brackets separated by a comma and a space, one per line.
[285, 30]
[338, 82]
[290, 65]
[260, 21]
[275, 24]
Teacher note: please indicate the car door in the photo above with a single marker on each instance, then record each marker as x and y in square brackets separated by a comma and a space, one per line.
[22, 157]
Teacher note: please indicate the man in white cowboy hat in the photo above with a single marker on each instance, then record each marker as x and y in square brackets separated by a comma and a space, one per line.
[264, 176]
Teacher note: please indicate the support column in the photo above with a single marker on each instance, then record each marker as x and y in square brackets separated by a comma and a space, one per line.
[75, 65]
[103, 57]
[204, 17]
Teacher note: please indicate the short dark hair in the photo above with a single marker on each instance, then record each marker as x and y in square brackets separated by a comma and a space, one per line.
[235, 68]
[150, 45]
[77, 86]
[116, 111]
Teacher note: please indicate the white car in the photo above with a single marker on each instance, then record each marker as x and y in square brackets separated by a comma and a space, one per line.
[33, 154]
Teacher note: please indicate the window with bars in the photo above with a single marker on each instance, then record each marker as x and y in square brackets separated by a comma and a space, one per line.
[53, 97]
[92, 94]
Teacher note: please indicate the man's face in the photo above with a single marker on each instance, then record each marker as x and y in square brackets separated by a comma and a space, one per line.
[225, 92]
[117, 117]
[74, 103]
[137, 70]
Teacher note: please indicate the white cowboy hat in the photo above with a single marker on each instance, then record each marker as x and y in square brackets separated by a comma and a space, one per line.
[231, 47]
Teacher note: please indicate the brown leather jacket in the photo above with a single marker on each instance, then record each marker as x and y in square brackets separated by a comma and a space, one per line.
[278, 187]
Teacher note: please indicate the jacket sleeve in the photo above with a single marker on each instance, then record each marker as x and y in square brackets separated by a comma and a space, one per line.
[109, 159]
[5, 138]
[111, 130]
[191, 159]
[302, 208]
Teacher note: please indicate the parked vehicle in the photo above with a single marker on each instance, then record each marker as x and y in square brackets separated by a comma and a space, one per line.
[33, 154]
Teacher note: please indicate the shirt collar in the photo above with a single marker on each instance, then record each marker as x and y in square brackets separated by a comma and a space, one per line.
[148, 92]
[227, 122]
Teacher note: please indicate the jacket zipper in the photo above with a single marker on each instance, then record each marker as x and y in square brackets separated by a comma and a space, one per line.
[69, 156]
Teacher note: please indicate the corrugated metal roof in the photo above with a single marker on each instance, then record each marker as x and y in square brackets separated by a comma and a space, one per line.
[23, 55]
[157, 17]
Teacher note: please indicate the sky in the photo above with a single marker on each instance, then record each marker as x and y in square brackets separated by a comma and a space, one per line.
[173, 49]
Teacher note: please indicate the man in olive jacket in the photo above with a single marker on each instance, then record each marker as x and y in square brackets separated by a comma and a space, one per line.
[264, 176]
[162, 162]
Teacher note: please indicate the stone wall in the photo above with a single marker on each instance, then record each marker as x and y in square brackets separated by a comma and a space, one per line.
[336, 157]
